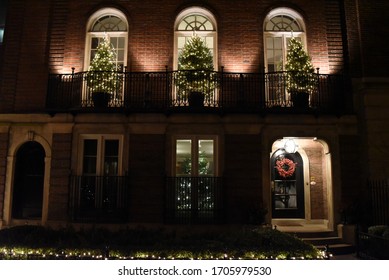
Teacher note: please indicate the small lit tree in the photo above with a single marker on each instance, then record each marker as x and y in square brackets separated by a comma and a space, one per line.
[102, 76]
[301, 78]
[195, 65]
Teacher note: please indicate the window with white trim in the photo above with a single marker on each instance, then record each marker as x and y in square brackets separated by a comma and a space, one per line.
[112, 23]
[101, 155]
[193, 21]
[279, 27]
[195, 156]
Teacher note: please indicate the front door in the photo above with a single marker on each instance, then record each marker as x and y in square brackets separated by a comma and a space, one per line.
[287, 185]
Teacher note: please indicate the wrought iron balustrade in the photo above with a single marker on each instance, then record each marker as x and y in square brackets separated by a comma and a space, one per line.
[98, 198]
[169, 91]
[194, 200]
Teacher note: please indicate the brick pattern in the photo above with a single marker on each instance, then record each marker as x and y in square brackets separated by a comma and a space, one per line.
[59, 22]
[53, 39]
[319, 190]
[242, 176]
[59, 179]
[350, 162]
[147, 177]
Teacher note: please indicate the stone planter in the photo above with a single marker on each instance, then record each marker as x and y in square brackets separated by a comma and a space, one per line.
[101, 99]
[196, 99]
[300, 99]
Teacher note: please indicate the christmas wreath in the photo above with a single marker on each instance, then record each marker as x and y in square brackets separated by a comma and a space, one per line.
[285, 167]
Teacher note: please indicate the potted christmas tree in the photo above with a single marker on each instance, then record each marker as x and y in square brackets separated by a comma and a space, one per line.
[301, 80]
[102, 78]
[195, 79]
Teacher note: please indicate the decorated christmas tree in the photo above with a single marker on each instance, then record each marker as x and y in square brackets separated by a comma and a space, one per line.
[102, 73]
[300, 72]
[195, 63]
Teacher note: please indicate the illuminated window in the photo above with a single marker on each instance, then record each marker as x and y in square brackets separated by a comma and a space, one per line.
[195, 157]
[1, 34]
[194, 193]
[280, 25]
[112, 23]
[195, 21]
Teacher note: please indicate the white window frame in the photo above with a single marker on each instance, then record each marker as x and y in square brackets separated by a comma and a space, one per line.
[194, 152]
[283, 34]
[100, 152]
[89, 34]
[209, 33]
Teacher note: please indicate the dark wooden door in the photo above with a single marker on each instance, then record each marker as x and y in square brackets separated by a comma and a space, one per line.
[287, 185]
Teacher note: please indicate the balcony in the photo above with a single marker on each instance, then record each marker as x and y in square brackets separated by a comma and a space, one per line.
[194, 200]
[164, 92]
[98, 199]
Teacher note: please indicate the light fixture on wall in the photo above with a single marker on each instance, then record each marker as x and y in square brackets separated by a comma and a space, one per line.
[290, 146]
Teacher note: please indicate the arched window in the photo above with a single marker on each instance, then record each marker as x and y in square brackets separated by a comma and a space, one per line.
[280, 25]
[28, 182]
[112, 23]
[197, 21]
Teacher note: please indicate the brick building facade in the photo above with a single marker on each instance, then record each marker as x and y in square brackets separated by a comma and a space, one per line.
[64, 160]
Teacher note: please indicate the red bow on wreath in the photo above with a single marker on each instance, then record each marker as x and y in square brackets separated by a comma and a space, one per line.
[285, 167]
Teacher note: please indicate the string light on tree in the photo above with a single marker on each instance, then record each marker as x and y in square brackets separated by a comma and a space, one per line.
[195, 65]
[102, 73]
[300, 72]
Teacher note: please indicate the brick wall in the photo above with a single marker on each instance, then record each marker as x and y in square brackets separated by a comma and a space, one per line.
[45, 36]
[59, 179]
[24, 65]
[318, 190]
[147, 178]
[373, 23]
[242, 176]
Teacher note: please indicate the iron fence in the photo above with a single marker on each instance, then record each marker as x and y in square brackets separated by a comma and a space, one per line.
[372, 247]
[171, 90]
[194, 200]
[98, 198]
[379, 201]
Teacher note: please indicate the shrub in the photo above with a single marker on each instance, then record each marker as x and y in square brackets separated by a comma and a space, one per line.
[378, 230]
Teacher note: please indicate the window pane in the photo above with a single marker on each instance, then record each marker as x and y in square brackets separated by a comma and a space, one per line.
[183, 157]
[95, 43]
[205, 157]
[90, 157]
[278, 43]
[121, 42]
[111, 157]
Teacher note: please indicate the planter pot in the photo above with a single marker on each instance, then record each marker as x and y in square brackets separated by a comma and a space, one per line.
[300, 99]
[101, 99]
[196, 99]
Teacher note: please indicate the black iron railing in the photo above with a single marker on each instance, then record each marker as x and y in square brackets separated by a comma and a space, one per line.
[194, 200]
[379, 201]
[372, 247]
[168, 91]
[98, 198]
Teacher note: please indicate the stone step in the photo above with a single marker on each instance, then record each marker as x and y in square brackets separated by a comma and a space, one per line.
[322, 241]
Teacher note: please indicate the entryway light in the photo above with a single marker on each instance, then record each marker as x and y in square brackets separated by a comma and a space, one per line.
[290, 146]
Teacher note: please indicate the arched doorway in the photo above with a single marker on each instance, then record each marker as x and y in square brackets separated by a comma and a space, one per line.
[28, 181]
[301, 191]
